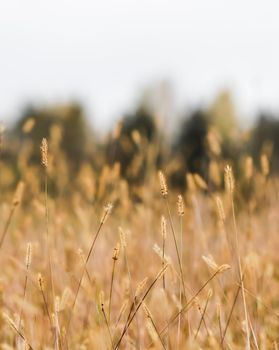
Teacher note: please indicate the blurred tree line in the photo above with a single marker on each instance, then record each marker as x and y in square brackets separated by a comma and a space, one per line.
[203, 139]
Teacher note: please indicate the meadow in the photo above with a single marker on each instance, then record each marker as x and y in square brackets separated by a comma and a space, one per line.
[95, 262]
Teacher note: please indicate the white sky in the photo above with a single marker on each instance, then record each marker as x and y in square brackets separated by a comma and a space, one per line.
[104, 52]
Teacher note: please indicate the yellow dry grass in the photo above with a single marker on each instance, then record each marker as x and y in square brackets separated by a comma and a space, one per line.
[194, 271]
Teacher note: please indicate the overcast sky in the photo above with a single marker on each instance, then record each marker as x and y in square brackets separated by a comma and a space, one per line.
[105, 52]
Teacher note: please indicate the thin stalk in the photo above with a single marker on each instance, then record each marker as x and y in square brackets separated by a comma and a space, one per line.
[180, 284]
[107, 211]
[122, 310]
[107, 325]
[230, 314]
[163, 260]
[46, 307]
[157, 332]
[176, 245]
[139, 305]
[248, 345]
[47, 236]
[7, 225]
[111, 287]
[19, 333]
[202, 320]
[133, 299]
[188, 304]
[220, 325]
[24, 296]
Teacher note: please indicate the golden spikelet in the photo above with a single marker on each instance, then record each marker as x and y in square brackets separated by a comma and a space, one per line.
[223, 268]
[220, 208]
[28, 125]
[229, 179]
[210, 262]
[163, 184]
[248, 168]
[106, 213]
[162, 255]
[122, 236]
[180, 205]
[151, 331]
[28, 257]
[191, 185]
[163, 226]
[18, 193]
[200, 182]
[116, 252]
[136, 137]
[264, 165]
[140, 287]
[214, 173]
[213, 141]
[41, 282]
[44, 152]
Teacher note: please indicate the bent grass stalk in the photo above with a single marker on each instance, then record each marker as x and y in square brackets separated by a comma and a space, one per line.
[231, 313]
[114, 258]
[44, 162]
[202, 320]
[180, 207]
[230, 183]
[102, 306]
[164, 192]
[41, 288]
[106, 213]
[189, 303]
[15, 203]
[126, 262]
[17, 331]
[161, 272]
[27, 266]
[150, 318]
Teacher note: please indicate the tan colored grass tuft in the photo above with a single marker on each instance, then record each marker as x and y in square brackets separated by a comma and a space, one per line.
[180, 205]
[229, 179]
[44, 152]
[163, 184]
[264, 165]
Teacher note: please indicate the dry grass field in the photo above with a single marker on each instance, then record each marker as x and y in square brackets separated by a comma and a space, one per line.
[92, 267]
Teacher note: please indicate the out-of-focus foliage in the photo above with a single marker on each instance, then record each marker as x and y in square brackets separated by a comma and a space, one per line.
[66, 125]
[265, 139]
[138, 145]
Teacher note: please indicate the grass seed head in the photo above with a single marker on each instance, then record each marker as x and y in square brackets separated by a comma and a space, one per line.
[163, 184]
[229, 179]
[106, 213]
[264, 165]
[28, 257]
[44, 152]
[41, 282]
[116, 251]
[18, 193]
[163, 227]
[180, 205]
